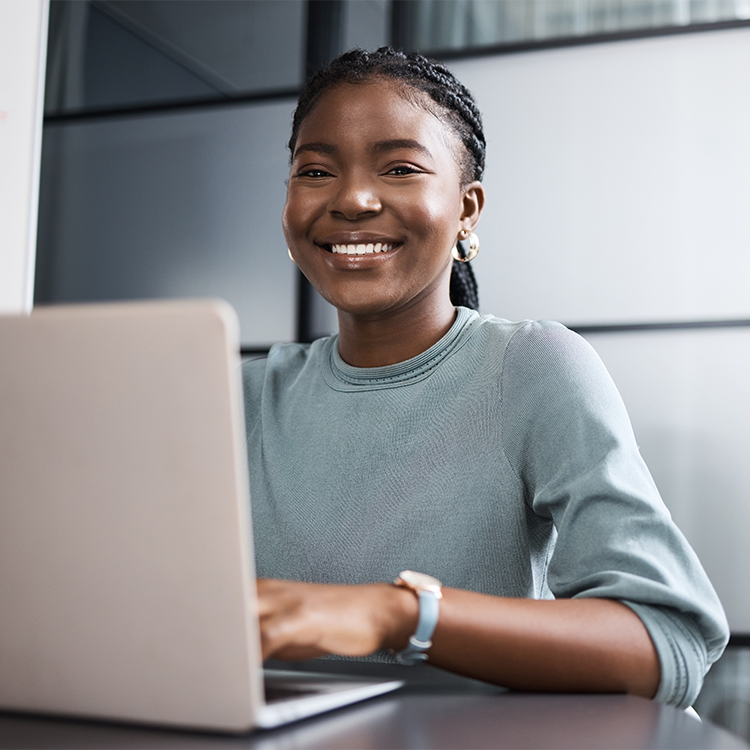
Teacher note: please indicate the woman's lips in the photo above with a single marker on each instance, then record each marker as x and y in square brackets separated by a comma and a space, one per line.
[362, 248]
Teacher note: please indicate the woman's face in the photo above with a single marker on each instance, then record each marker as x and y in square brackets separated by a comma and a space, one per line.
[374, 203]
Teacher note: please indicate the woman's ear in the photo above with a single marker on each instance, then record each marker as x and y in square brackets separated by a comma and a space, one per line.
[472, 205]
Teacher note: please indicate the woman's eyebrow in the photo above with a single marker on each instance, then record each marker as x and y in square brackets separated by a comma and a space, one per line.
[379, 147]
[392, 145]
[317, 147]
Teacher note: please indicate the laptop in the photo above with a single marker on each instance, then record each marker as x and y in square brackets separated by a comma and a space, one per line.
[127, 587]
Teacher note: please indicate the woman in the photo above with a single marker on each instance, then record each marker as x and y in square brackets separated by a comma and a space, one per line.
[494, 456]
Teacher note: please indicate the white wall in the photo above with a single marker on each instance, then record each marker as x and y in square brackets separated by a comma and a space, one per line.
[23, 35]
[618, 183]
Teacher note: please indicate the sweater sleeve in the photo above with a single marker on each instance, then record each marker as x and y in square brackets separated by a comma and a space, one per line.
[568, 436]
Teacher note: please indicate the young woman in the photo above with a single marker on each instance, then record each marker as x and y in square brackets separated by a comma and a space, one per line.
[494, 456]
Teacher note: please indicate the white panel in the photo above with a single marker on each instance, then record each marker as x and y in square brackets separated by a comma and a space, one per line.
[687, 395]
[23, 34]
[171, 205]
[618, 179]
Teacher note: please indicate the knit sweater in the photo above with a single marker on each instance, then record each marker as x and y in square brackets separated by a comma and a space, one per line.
[501, 460]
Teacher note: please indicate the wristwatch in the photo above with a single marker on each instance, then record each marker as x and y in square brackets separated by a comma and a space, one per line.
[429, 591]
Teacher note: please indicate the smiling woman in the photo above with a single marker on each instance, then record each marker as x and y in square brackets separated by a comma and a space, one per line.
[496, 456]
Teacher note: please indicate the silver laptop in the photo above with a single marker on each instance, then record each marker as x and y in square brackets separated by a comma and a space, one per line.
[127, 585]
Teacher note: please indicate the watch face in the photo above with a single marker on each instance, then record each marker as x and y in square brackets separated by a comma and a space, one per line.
[418, 581]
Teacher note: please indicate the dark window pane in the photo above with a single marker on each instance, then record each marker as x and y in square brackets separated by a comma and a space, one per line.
[128, 53]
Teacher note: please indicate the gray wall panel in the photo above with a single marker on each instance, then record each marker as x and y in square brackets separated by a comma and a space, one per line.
[169, 205]
[618, 179]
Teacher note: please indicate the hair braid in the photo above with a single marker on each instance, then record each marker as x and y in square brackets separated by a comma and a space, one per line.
[456, 107]
[463, 286]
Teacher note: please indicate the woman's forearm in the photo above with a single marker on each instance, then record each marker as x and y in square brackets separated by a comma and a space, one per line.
[583, 645]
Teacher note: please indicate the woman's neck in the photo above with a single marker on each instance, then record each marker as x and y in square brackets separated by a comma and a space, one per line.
[386, 339]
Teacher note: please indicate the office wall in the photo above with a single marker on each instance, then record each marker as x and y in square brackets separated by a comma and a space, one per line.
[23, 33]
[618, 184]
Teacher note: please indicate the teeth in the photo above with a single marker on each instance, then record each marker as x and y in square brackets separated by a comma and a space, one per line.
[377, 247]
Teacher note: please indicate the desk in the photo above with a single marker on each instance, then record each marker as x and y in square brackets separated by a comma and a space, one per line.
[413, 718]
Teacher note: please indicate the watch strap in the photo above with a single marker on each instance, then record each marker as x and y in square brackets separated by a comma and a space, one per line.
[429, 608]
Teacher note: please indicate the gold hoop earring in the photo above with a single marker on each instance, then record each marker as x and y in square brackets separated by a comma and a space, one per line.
[291, 257]
[472, 251]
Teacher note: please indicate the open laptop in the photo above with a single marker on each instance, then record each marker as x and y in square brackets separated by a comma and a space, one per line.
[127, 589]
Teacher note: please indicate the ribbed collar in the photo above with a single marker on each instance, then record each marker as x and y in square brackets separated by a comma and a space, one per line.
[344, 377]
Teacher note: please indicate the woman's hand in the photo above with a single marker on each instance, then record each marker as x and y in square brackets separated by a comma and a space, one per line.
[305, 620]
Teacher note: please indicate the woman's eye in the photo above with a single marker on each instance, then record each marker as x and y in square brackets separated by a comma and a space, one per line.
[313, 173]
[403, 169]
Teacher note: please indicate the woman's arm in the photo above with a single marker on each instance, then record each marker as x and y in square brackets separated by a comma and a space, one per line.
[570, 645]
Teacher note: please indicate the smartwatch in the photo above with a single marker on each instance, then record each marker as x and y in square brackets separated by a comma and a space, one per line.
[429, 591]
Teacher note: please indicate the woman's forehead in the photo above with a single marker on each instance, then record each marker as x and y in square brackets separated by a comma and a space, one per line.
[349, 97]
[377, 107]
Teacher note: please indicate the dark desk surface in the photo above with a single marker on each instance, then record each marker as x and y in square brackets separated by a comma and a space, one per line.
[414, 718]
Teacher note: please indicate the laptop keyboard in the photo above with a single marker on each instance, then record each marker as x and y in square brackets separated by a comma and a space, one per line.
[276, 692]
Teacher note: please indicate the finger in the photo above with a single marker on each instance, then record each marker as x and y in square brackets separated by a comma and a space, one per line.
[285, 638]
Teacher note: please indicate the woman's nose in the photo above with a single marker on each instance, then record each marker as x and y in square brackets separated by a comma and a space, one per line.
[354, 198]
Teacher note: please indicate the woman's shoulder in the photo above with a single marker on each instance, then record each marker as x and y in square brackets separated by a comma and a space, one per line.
[541, 359]
[527, 328]
[529, 340]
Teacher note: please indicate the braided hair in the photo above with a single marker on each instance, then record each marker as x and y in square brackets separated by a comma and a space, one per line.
[456, 107]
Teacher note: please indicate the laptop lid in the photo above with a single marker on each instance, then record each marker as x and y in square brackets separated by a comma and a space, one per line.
[126, 572]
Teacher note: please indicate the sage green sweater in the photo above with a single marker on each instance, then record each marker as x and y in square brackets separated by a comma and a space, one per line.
[500, 460]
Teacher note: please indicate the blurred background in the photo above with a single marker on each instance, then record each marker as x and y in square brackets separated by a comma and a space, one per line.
[618, 183]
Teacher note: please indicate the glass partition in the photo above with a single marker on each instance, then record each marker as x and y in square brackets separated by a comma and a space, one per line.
[448, 25]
